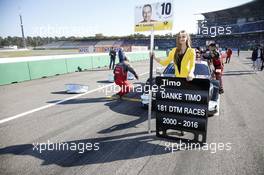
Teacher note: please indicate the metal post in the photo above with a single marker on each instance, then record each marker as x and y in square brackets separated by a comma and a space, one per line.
[150, 79]
[22, 31]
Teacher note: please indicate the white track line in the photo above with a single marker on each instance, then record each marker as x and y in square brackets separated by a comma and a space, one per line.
[59, 102]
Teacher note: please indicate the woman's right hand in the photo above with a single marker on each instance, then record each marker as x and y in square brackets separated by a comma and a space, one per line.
[190, 77]
[151, 54]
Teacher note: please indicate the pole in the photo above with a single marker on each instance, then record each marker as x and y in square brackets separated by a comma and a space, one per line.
[22, 31]
[150, 79]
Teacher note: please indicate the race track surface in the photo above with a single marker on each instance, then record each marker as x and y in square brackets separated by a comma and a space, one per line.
[115, 131]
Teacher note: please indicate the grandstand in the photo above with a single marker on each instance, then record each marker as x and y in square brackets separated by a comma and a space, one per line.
[246, 23]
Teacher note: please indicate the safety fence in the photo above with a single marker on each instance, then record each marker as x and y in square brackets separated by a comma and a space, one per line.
[20, 69]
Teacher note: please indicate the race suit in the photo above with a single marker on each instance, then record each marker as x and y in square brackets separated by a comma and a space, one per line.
[120, 77]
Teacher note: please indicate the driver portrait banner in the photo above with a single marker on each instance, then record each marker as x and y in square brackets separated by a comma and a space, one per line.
[156, 16]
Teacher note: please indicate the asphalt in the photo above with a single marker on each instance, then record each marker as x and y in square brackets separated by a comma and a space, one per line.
[115, 131]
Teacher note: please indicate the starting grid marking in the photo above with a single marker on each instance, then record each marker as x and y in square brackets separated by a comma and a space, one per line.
[125, 99]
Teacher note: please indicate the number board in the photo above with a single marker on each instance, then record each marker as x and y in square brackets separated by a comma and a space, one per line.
[156, 16]
[182, 105]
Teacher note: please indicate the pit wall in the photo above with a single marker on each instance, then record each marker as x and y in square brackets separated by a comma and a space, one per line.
[13, 70]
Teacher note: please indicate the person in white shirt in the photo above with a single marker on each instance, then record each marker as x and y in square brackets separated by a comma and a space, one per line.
[257, 58]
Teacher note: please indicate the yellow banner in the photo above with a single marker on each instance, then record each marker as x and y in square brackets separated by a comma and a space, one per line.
[141, 27]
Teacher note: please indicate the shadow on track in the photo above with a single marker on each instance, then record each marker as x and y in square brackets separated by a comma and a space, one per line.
[113, 148]
[127, 108]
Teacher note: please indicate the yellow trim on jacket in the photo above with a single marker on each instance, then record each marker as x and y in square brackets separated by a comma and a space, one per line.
[187, 64]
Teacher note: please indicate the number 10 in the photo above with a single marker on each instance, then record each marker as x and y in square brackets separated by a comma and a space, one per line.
[166, 8]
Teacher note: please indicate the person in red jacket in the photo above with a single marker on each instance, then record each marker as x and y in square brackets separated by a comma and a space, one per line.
[228, 55]
[218, 65]
[120, 77]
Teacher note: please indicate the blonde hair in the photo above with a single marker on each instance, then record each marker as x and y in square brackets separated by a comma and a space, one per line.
[178, 44]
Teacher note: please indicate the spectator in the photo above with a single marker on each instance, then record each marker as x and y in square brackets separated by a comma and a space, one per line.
[112, 55]
[228, 55]
[121, 55]
[198, 54]
[257, 58]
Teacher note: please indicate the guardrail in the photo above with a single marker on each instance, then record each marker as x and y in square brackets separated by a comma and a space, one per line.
[13, 70]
